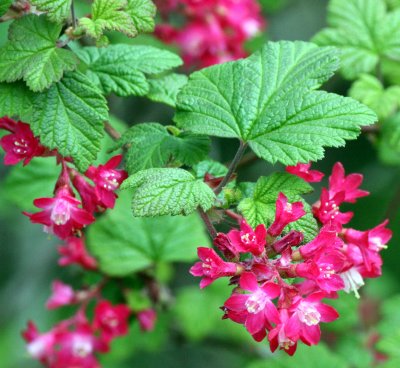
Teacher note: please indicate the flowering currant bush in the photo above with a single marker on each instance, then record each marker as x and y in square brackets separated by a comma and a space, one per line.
[125, 201]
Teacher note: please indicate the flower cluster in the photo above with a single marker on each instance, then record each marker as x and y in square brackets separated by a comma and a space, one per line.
[213, 32]
[280, 281]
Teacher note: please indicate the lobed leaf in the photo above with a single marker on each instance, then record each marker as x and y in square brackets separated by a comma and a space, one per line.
[165, 89]
[15, 99]
[142, 13]
[57, 10]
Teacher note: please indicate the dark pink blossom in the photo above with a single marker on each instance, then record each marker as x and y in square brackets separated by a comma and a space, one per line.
[326, 240]
[111, 320]
[107, 179]
[87, 193]
[292, 239]
[74, 251]
[285, 214]
[61, 215]
[212, 267]
[278, 338]
[63, 294]
[20, 145]
[257, 307]
[248, 240]
[303, 171]
[147, 318]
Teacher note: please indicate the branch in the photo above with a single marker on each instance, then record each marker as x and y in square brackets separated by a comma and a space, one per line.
[208, 223]
[111, 131]
[370, 129]
[232, 167]
[73, 14]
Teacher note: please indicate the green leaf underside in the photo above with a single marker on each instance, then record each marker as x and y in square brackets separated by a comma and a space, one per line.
[166, 88]
[370, 91]
[214, 168]
[151, 146]
[69, 116]
[268, 100]
[121, 69]
[260, 208]
[15, 99]
[57, 10]
[167, 191]
[31, 53]
[142, 13]
[124, 244]
[108, 15]
[365, 33]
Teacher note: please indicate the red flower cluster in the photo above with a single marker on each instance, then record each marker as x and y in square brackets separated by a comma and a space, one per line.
[280, 281]
[214, 30]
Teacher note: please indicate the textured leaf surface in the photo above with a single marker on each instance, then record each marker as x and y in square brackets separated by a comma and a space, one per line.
[214, 168]
[370, 91]
[108, 15]
[151, 145]
[268, 100]
[260, 208]
[142, 13]
[25, 183]
[4, 5]
[15, 99]
[121, 69]
[159, 192]
[31, 53]
[69, 116]
[124, 244]
[364, 32]
[57, 10]
[166, 88]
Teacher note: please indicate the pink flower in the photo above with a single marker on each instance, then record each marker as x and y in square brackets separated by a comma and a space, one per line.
[291, 239]
[326, 240]
[86, 192]
[147, 319]
[20, 144]
[303, 171]
[285, 214]
[107, 180]
[212, 267]
[306, 315]
[248, 240]
[62, 295]
[256, 308]
[278, 338]
[338, 182]
[352, 280]
[61, 214]
[74, 251]
[223, 243]
[111, 320]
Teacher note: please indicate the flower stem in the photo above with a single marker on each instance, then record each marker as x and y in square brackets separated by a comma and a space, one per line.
[111, 131]
[232, 167]
[208, 223]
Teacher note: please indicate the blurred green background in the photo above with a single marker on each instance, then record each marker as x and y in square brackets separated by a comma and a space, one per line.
[192, 334]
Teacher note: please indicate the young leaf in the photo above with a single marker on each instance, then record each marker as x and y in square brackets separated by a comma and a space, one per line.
[69, 116]
[365, 33]
[370, 91]
[142, 13]
[15, 99]
[123, 244]
[260, 208]
[57, 10]
[151, 145]
[159, 192]
[209, 166]
[268, 100]
[120, 68]
[108, 15]
[31, 53]
[165, 89]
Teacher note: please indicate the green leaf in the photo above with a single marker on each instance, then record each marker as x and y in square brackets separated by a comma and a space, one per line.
[151, 145]
[108, 15]
[69, 116]
[15, 99]
[121, 69]
[57, 10]
[214, 168]
[159, 192]
[31, 53]
[4, 6]
[142, 13]
[25, 183]
[389, 344]
[365, 33]
[393, 4]
[260, 208]
[268, 101]
[370, 91]
[306, 356]
[123, 244]
[389, 141]
[165, 89]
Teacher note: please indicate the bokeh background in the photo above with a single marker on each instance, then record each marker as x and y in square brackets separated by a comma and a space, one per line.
[192, 333]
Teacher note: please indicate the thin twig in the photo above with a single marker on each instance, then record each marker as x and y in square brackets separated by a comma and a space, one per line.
[232, 167]
[208, 223]
[370, 129]
[73, 14]
[111, 131]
